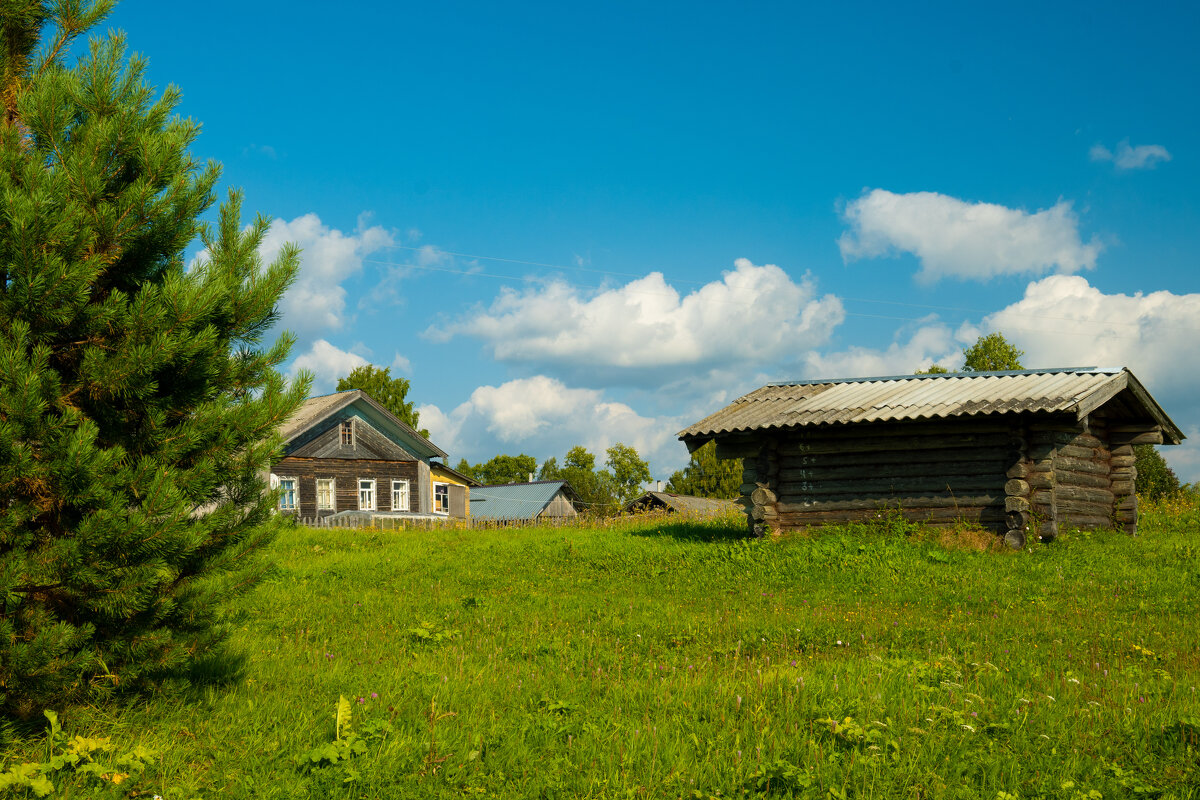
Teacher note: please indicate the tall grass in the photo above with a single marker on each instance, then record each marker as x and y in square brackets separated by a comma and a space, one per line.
[661, 658]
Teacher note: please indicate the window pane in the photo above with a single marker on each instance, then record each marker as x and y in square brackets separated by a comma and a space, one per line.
[325, 493]
[399, 495]
[287, 493]
[366, 495]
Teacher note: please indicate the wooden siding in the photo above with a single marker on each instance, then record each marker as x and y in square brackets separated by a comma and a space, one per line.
[558, 507]
[325, 441]
[346, 473]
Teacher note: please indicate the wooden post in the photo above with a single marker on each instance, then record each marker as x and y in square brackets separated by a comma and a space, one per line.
[1124, 477]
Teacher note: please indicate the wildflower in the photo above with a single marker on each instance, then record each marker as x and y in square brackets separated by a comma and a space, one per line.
[374, 695]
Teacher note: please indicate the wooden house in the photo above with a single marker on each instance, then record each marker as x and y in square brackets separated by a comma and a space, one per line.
[536, 500]
[1021, 452]
[450, 490]
[345, 452]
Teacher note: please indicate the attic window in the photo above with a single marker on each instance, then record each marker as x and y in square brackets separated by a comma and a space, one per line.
[348, 433]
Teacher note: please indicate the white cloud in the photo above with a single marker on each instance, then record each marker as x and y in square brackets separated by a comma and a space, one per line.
[316, 301]
[933, 343]
[1144, 156]
[401, 363]
[646, 333]
[954, 238]
[327, 363]
[1064, 321]
[544, 417]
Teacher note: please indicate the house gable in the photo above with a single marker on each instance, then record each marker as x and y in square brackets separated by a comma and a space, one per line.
[325, 440]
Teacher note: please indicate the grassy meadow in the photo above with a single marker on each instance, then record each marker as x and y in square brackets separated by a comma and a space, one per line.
[661, 658]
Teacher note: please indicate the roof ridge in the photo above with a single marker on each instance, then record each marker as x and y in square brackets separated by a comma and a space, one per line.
[924, 376]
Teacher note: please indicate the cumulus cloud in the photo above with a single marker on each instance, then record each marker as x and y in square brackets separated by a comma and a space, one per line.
[954, 238]
[317, 301]
[645, 332]
[932, 343]
[327, 363]
[1144, 156]
[1064, 321]
[544, 417]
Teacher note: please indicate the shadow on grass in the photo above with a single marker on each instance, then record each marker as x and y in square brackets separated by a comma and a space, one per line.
[695, 530]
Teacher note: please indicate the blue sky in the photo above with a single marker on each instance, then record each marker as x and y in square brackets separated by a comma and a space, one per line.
[588, 223]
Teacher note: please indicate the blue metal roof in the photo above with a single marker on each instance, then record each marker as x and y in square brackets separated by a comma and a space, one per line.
[514, 500]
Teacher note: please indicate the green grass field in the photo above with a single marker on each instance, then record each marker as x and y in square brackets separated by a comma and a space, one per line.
[674, 659]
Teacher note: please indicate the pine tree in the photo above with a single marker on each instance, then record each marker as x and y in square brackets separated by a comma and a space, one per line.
[138, 400]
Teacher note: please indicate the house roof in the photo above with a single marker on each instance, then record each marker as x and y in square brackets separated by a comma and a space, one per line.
[1067, 390]
[438, 466]
[683, 503]
[316, 409]
[516, 500]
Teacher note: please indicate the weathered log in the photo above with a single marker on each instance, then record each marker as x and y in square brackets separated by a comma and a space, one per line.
[788, 505]
[1089, 453]
[823, 472]
[1069, 477]
[1015, 538]
[887, 486]
[1014, 503]
[1048, 530]
[1153, 437]
[1070, 509]
[1042, 497]
[1083, 440]
[1126, 502]
[1087, 521]
[911, 444]
[1124, 451]
[1017, 519]
[928, 455]
[982, 516]
[1042, 480]
[1103, 497]
[1130, 428]
[1018, 470]
[762, 496]
[1080, 465]
[1122, 462]
[1017, 487]
[1122, 488]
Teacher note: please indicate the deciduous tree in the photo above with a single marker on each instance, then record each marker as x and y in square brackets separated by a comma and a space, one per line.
[708, 476]
[992, 353]
[139, 396]
[389, 392]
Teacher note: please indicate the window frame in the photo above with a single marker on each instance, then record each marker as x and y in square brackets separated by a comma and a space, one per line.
[374, 497]
[407, 494]
[283, 493]
[445, 486]
[346, 433]
[332, 494]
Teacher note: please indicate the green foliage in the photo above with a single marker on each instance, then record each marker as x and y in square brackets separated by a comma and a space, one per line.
[934, 369]
[629, 471]
[992, 353]
[138, 399]
[501, 469]
[389, 392]
[1154, 478]
[597, 489]
[349, 742]
[708, 476]
[83, 760]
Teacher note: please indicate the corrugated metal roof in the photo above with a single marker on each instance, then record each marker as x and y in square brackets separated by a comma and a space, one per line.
[514, 500]
[898, 398]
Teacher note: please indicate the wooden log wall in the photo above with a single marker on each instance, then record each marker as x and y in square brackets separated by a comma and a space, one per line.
[1019, 477]
[934, 473]
[346, 473]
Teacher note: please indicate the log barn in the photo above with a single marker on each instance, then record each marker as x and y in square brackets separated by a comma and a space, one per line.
[1021, 452]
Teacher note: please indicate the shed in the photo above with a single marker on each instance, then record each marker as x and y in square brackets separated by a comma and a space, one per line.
[681, 504]
[536, 500]
[1019, 451]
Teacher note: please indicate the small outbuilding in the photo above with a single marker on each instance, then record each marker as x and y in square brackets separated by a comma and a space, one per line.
[680, 504]
[515, 502]
[1020, 452]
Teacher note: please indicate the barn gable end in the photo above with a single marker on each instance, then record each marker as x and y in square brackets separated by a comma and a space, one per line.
[1018, 452]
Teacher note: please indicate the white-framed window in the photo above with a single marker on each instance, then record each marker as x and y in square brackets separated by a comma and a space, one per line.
[366, 494]
[347, 429]
[289, 496]
[326, 495]
[441, 498]
[399, 495]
